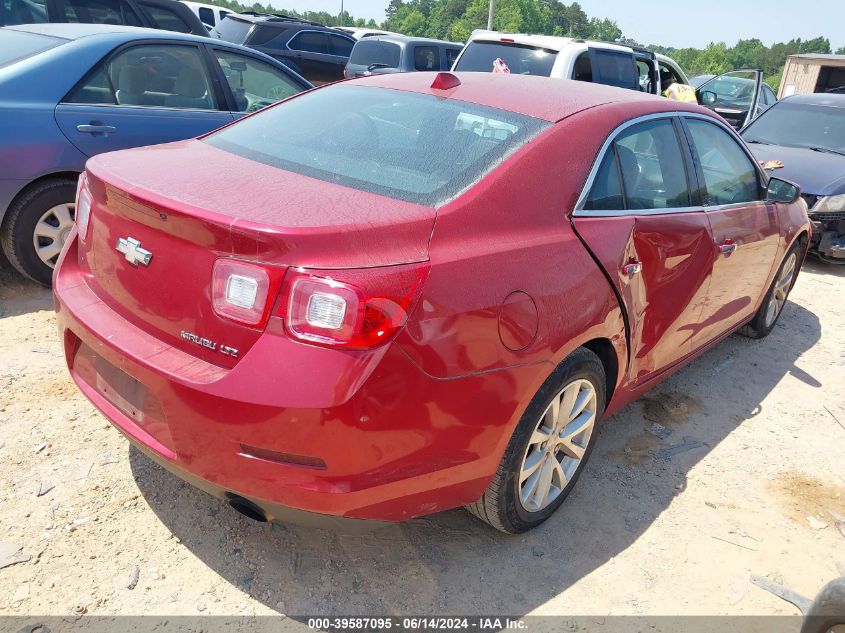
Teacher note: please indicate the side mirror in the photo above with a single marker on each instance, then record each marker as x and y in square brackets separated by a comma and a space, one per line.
[708, 97]
[782, 191]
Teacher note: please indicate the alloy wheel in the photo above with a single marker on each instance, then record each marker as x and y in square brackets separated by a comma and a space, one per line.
[558, 445]
[781, 290]
[51, 232]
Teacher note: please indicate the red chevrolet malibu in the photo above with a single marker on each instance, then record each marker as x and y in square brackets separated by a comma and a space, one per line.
[389, 297]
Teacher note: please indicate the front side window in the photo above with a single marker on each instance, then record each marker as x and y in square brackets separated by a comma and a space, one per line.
[254, 83]
[310, 42]
[22, 12]
[165, 18]
[521, 59]
[643, 169]
[730, 176]
[407, 146]
[164, 75]
[207, 16]
[426, 58]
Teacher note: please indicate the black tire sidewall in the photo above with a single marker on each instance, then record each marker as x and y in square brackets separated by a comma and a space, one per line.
[19, 226]
[581, 364]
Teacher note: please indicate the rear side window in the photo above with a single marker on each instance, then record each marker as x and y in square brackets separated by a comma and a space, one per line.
[22, 12]
[15, 46]
[521, 60]
[451, 56]
[643, 169]
[426, 58]
[730, 176]
[370, 52]
[207, 16]
[97, 12]
[165, 18]
[340, 45]
[614, 68]
[310, 42]
[408, 146]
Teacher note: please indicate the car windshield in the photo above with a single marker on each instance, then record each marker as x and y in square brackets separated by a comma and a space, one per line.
[370, 52]
[521, 59]
[800, 125]
[412, 147]
[16, 45]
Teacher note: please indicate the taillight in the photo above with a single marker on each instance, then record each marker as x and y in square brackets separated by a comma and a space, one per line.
[359, 308]
[83, 207]
[239, 291]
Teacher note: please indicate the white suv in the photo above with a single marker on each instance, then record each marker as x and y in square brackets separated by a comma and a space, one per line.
[567, 58]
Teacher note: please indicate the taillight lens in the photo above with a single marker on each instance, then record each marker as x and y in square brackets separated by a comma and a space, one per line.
[358, 308]
[83, 207]
[240, 290]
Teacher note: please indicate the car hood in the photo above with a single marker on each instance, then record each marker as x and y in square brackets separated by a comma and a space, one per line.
[817, 173]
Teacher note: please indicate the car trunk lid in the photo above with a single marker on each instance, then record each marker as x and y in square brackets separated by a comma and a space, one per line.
[162, 200]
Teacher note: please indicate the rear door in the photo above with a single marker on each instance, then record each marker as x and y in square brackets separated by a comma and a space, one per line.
[143, 95]
[639, 219]
[745, 227]
[614, 68]
[734, 96]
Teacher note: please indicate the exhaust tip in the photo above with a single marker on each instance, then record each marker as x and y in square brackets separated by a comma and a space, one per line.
[247, 508]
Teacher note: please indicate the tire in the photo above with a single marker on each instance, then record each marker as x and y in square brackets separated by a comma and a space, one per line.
[25, 216]
[507, 504]
[827, 610]
[763, 321]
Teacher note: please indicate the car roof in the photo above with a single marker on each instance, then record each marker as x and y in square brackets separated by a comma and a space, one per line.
[550, 42]
[539, 97]
[75, 31]
[818, 99]
[406, 40]
[281, 20]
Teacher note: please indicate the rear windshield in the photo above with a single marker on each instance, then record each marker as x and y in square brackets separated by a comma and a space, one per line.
[232, 30]
[521, 59]
[383, 54]
[15, 46]
[408, 146]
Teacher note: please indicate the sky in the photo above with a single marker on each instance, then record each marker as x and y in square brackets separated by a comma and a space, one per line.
[680, 23]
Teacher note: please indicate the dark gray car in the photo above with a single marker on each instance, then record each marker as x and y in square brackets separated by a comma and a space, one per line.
[807, 134]
[400, 54]
[317, 52]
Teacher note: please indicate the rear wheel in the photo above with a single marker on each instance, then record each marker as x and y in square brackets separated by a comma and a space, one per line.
[827, 613]
[36, 227]
[767, 315]
[549, 448]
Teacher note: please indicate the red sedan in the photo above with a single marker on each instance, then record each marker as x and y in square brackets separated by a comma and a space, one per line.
[389, 297]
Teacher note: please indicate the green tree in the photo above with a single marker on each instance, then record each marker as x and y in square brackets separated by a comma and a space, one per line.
[413, 24]
[840, 51]
[605, 30]
[579, 23]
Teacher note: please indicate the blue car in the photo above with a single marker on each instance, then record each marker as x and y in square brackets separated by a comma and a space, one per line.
[70, 91]
[807, 134]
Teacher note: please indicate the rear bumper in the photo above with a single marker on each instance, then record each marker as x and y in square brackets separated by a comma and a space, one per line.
[394, 442]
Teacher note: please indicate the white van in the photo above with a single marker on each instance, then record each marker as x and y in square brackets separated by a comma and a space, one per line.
[209, 14]
[568, 58]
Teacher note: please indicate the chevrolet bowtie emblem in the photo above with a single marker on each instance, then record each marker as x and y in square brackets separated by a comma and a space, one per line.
[132, 251]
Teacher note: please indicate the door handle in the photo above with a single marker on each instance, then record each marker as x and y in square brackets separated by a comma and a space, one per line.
[727, 248]
[632, 268]
[96, 128]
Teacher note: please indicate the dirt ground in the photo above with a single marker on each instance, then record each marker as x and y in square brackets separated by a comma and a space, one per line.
[732, 468]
